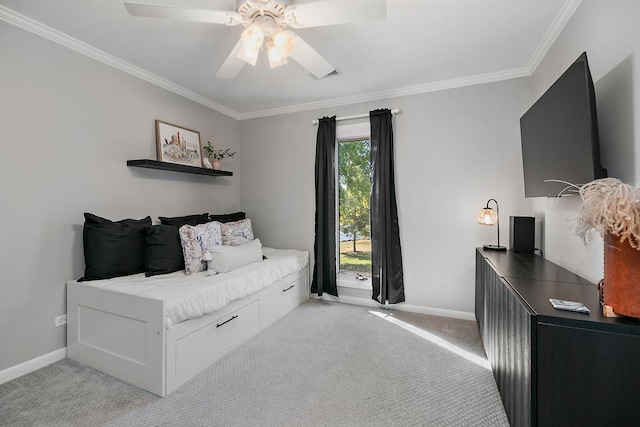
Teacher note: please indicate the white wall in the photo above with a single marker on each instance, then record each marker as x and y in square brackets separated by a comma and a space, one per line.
[455, 149]
[609, 33]
[69, 124]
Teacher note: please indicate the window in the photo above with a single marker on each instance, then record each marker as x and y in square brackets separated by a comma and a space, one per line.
[353, 192]
[354, 185]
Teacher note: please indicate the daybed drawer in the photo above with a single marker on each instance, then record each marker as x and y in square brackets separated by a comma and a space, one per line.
[213, 338]
[281, 301]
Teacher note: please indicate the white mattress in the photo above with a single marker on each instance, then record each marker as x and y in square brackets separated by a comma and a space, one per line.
[188, 297]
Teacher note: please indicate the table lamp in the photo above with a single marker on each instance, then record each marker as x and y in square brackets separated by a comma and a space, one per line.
[487, 216]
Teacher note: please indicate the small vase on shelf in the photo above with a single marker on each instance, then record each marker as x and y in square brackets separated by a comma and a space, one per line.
[217, 154]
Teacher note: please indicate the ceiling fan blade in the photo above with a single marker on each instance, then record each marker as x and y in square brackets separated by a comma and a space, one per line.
[183, 13]
[232, 65]
[307, 56]
[332, 12]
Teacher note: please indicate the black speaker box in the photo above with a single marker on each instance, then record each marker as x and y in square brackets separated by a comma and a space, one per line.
[522, 230]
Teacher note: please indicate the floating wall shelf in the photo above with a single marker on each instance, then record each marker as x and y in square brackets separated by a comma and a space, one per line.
[155, 164]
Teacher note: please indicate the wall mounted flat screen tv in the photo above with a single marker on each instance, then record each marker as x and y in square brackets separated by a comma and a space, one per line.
[560, 134]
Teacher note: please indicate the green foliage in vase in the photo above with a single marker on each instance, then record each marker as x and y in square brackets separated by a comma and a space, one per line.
[217, 154]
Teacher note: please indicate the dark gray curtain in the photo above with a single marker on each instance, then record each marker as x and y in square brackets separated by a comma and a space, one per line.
[324, 247]
[386, 255]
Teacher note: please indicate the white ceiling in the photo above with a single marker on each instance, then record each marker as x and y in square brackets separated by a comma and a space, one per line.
[420, 46]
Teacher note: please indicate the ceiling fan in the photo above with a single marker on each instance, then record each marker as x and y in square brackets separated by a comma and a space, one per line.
[268, 19]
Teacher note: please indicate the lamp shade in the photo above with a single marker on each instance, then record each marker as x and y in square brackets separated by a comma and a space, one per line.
[276, 55]
[248, 56]
[285, 42]
[487, 216]
[252, 37]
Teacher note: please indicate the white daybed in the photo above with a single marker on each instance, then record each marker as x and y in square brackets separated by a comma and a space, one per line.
[134, 328]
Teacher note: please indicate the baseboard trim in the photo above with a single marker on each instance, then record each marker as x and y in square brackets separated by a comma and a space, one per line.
[463, 315]
[32, 365]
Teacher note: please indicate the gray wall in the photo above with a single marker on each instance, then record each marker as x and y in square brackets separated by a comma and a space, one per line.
[609, 33]
[69, 124]
[455, 149]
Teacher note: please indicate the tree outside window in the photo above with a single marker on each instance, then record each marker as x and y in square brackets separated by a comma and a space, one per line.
[354, 185]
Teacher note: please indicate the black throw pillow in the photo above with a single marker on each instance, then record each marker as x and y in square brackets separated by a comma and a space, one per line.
[163, 250]
[179, 221]
[113, 249]
[232, 217]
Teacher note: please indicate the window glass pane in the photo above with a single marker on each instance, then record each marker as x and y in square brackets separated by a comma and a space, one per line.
[354, 183]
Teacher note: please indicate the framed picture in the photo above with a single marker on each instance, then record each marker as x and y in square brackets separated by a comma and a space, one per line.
[176, 144]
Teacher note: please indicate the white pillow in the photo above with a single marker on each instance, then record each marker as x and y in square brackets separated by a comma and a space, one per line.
[227, 258]
[196, 239]
[237, 232]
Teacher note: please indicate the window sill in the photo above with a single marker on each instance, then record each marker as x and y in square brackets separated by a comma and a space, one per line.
[348, 280]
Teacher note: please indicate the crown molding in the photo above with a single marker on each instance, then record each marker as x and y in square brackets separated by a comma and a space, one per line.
[36, 27]
[393, 93]
[558, 24]
[26, 23]
[560, 21]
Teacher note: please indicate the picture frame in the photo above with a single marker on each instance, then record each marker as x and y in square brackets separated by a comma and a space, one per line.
[176, 144]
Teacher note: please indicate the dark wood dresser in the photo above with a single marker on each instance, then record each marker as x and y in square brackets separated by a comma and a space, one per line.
[552, 367]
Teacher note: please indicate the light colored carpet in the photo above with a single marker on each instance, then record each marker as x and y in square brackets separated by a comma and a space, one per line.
[323, 364]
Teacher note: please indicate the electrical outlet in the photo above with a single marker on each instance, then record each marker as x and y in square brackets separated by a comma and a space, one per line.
[60, 320]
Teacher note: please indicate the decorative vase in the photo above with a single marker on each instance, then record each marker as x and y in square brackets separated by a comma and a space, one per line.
[216, 164]
[621, 276]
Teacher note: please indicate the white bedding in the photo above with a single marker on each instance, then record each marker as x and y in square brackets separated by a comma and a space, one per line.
[190, 296]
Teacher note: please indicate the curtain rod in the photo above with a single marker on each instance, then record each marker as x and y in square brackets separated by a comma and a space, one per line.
[356, 116]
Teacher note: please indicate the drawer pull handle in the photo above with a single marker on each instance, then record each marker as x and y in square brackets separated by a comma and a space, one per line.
[226, 321]
[292, 286]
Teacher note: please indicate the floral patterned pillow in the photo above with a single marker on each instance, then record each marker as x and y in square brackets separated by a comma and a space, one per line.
[196, 239]
[236, 233]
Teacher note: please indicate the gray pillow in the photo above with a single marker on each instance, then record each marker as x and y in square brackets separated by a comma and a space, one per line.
[227, 258]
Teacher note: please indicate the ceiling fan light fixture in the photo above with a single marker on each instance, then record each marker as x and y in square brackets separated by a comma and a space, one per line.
[285, 41]
[248, 55]
[267, 19]
[276, 54]
[252, 37]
